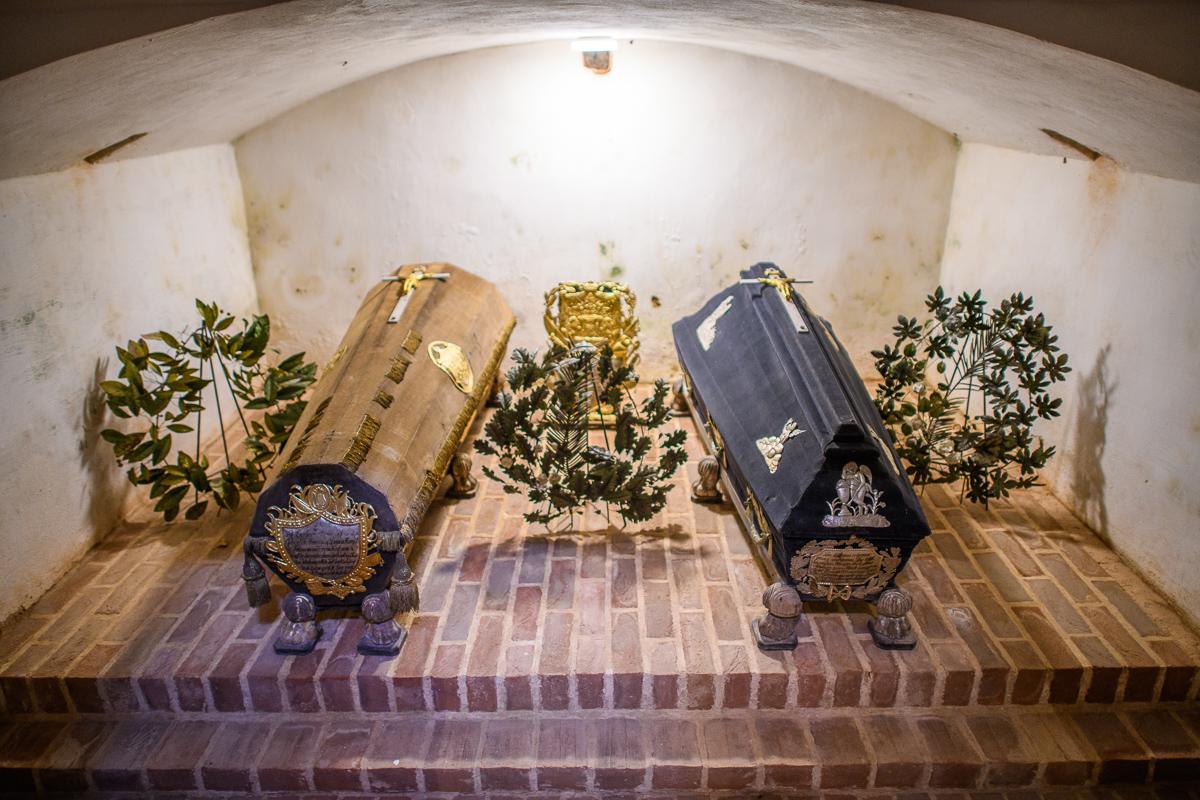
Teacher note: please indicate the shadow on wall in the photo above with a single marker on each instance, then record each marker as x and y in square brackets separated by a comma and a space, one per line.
[1091, 433]
[96, 458]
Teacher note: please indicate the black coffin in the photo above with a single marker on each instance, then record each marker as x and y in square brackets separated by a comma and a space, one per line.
[803, 453]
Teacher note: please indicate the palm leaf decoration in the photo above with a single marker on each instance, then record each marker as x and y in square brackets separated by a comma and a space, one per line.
[540, 436]
[566, 419]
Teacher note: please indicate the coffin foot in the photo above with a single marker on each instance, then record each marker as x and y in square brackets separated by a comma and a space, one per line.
[679, 404]
[891, 629]
[301, 631]
[382, 637]
[465, 485]
[776, 629]
[258, 591]
[707, 489]
[493, 400]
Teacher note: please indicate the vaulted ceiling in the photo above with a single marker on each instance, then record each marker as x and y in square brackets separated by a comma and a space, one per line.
[212, 80]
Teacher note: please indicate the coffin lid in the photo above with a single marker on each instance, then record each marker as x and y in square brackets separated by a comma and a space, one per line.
[758, 373]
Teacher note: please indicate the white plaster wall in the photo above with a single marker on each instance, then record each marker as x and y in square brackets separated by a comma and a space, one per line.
[89, 258]
[674, 171]
[1113, 259]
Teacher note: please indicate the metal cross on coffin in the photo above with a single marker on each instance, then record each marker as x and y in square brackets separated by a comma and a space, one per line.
[408, 283]
[783, 285]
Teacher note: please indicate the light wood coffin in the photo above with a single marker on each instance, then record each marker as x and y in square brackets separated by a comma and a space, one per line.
[373, 445]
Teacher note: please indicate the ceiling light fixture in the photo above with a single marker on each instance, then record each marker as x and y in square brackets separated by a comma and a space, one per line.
[597, 53]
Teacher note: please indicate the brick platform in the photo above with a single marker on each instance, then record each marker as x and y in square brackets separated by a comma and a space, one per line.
[602, 660]
[1016, 605]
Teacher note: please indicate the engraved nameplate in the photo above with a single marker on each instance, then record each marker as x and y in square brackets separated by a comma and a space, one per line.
[325, 549]
[324, 539]
[844, 566]
[835, 569]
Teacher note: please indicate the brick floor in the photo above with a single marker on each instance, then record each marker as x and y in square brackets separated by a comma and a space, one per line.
[824, 749]
[1019, 604]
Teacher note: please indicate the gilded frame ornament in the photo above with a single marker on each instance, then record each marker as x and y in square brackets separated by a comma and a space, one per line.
[808, 581]
[763, 533]
[450, 359]
[596, 312]
[308, 504]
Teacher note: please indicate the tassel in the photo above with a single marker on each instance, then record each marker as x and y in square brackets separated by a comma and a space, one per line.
[258, 592]
[403, 588]
[404, 596]
[390, 541]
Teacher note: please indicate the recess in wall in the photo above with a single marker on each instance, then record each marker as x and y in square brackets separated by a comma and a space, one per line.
[1079, 147]
[597, 53]
[105, 152]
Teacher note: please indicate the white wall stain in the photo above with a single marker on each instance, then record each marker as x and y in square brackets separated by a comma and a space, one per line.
[686, 163]
[90, 258]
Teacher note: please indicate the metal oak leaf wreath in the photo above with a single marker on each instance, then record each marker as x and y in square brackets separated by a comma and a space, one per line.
[540, 435]
[166, 387]
[973, 421]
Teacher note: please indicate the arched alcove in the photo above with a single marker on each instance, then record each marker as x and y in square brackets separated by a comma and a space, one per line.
[292, 153]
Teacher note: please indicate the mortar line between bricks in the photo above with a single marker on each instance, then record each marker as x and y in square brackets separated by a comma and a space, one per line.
[477, 611]
[673, 594]
[506, 626]
[1049, 618]
[535, 674]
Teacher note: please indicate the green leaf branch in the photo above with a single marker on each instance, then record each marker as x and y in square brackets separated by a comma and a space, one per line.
[963, 388]
[162, 386]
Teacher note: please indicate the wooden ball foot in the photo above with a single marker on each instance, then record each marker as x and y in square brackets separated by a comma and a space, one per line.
[891, 629]
[382, 637]
[301, 631]
[679, 404]
[776, 629]
[465, 485]
[707, 489]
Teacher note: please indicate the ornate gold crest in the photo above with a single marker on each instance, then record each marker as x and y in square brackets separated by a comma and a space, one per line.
[598, 313]
[324, 539]
[451, 360]
[844, 569]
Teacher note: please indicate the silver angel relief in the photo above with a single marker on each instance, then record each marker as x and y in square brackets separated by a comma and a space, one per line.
[857, 505]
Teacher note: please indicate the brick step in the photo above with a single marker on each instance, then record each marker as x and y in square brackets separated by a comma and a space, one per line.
[1162, 791]
[250, 676]
[683, 751]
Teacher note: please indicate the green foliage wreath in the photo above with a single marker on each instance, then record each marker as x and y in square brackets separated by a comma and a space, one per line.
[973, 422]
[164, 387]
